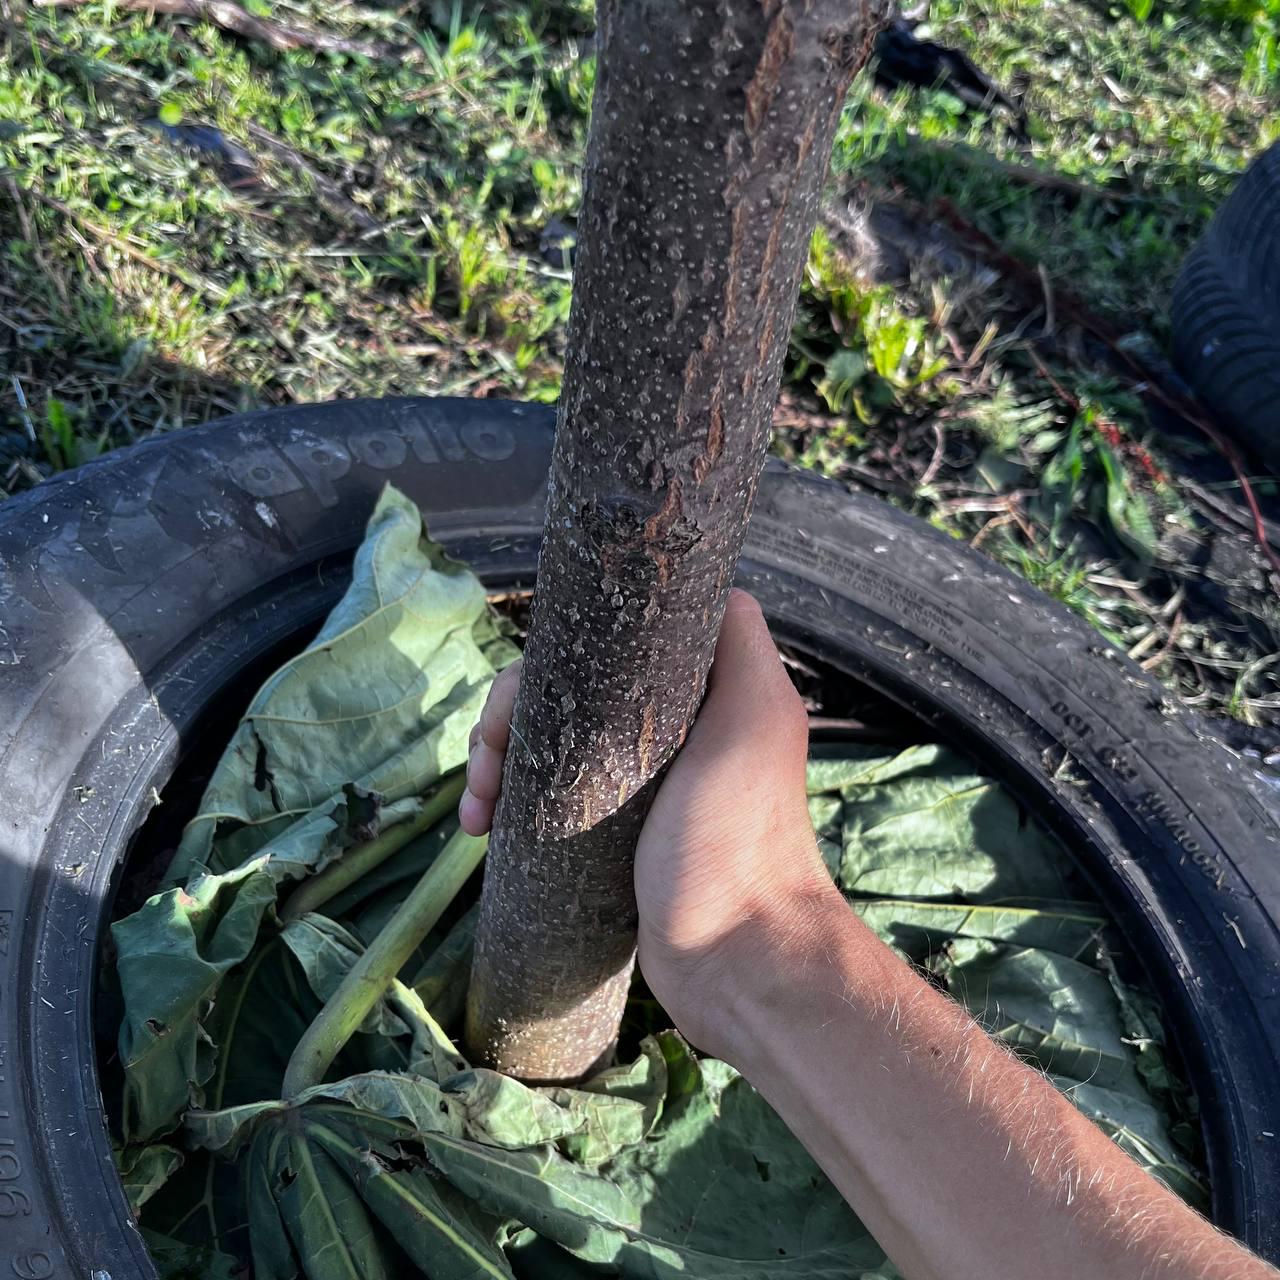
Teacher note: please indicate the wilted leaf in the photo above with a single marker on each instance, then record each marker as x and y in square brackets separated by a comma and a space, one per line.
[618, 1108]
[382, 699]
[720, 1189]
[172, 955]
[923, 824]
[1142, 1131]
[1140, 1017]
[175, 1260]
[920, 928]
[336, 745]
[503, 1112]
[861, 764]
[400, 1097]
[440, 1230]
[1058, 1012]
[144, 1170]
[591, 1124]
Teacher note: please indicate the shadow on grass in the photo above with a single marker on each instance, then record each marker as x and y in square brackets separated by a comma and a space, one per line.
[80, 378]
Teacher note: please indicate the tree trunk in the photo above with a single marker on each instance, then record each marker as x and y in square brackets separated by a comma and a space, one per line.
[711, 130]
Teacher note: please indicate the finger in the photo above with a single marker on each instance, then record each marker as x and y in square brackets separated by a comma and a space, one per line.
[749, 695]
[495, 719]
[484, 772]
[475, 816]
[744, 644]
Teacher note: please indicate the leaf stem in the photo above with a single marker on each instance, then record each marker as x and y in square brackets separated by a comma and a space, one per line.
[373, 973]
[312, 894]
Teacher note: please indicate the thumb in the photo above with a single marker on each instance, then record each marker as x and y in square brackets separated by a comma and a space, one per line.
[750, 700]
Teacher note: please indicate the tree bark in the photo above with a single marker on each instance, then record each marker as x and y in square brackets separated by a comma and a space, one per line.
[711, 130]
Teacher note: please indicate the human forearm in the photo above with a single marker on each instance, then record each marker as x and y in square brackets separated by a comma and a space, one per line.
[957, 1156]
[963, 1161]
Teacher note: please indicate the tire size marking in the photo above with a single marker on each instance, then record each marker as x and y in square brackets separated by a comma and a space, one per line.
[1150, 804]
[15, 1202]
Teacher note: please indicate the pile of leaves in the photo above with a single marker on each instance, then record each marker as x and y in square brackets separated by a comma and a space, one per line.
[334, 800]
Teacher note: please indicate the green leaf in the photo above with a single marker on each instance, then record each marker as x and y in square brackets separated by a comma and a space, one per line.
[315, 1172]
[1125, 509]
[199, 1210]
[1142, 1132]
[1059, 1013]
[726, 1184]
[144, 1170]
[382, 699]
[921, 928]
[825, 813]
[171, 957]
[439, 1229]
[720, 1189]
[337, 745]
[327, 1222]
[584, 1212]
[262, 1010]
[274, 1257]
[175, 1260]
[923, 824]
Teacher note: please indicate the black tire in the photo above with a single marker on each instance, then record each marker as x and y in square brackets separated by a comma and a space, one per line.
[135, 589]
[1226, 311]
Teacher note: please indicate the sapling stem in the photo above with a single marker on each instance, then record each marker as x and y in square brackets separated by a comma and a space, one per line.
[312, 894]
[373, 973]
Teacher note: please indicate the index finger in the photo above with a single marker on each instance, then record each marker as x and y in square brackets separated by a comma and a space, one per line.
[495, 718]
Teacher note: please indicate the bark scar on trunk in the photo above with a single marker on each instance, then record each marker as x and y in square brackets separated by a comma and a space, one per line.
[645, 749]
[666, 550]
[778, 47]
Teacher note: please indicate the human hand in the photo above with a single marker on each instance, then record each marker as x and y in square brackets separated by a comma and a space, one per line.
[727, 862]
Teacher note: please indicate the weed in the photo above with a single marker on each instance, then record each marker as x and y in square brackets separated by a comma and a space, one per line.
[193, 225]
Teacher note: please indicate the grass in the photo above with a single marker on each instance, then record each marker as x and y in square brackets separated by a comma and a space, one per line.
[194, 223]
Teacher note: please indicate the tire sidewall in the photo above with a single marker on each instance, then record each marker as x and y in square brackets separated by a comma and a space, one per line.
[132, 587]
